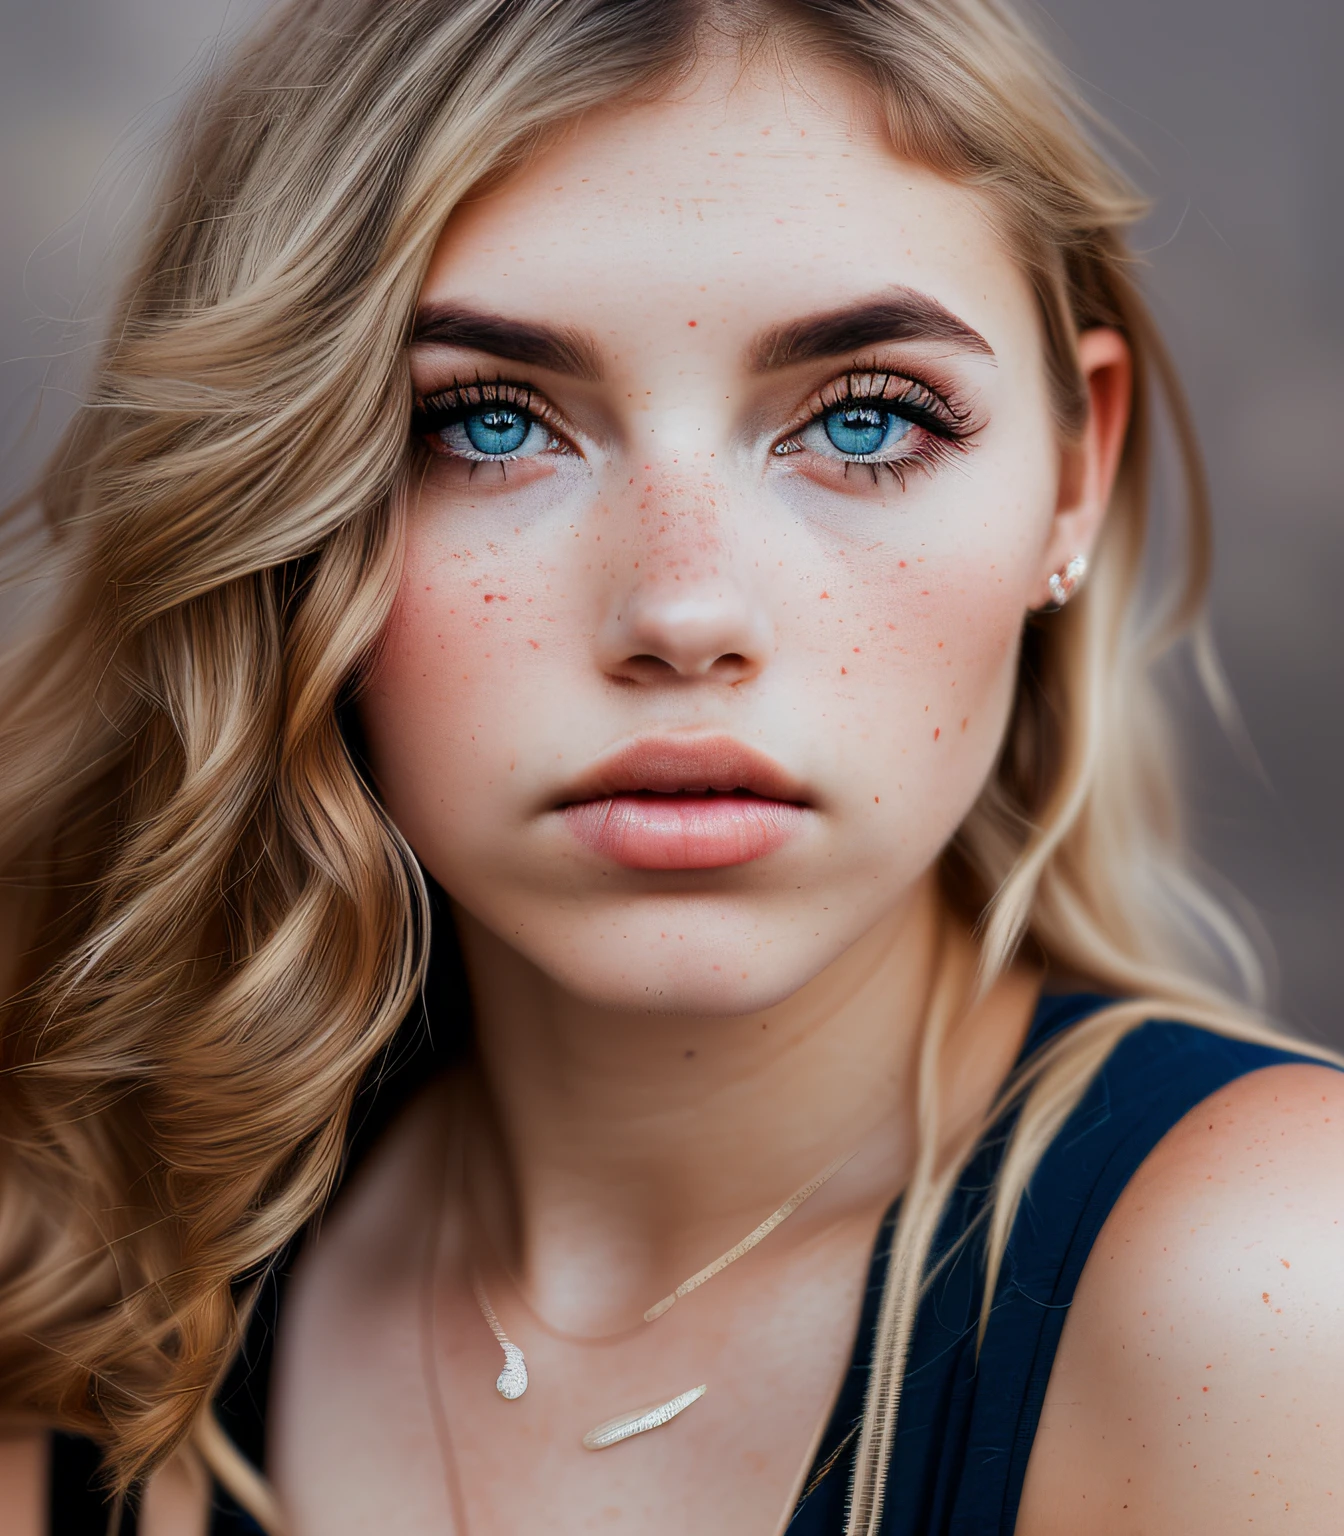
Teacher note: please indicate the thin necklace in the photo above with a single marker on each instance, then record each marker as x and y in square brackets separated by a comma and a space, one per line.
[512, 1380]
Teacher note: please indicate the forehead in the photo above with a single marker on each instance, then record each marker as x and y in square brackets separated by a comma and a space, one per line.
[749, 195]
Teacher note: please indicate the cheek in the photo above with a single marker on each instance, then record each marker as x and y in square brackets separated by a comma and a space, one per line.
[474, 642]
[914, 649]
[925, 667]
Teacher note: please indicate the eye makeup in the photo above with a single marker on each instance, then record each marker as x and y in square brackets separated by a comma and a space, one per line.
[883, 420]
[487, 421]
[871, 416]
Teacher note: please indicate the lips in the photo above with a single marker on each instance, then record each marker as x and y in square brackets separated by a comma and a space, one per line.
[667, 803]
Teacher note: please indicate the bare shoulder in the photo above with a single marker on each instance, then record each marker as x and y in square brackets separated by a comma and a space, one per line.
[176, 1501]
[23, 1483]
[1199, 1384]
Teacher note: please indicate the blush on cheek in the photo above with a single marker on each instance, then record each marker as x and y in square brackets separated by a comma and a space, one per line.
[967, 637]
[921, 659]
[465, 687]
[460, 615]
[937, 625]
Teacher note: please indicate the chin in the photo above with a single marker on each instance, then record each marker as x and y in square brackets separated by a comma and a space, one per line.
[717, 964]
[678, 993]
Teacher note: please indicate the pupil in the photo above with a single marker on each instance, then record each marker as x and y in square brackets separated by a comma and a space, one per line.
[852, 429]
[496, 430]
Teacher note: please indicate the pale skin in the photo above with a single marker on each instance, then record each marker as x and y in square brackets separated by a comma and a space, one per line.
[665, 1055]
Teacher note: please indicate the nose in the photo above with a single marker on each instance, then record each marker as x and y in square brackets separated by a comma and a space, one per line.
[684, 609]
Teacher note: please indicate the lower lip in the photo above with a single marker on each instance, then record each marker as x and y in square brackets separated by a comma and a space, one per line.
[683, 831]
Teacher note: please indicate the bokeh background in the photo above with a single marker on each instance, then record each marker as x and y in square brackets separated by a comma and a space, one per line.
[1235, 122]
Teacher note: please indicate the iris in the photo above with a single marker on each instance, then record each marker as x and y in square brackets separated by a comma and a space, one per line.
[863, 430]
[497, 429]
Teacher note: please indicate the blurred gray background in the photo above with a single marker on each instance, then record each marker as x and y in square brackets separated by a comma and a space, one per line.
[1236, 120]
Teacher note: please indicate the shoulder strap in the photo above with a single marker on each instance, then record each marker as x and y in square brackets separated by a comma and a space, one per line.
[1155, 1076]
[939, 1386]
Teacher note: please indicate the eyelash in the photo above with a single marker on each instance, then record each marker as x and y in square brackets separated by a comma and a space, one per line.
[946, 426]
[433, 413]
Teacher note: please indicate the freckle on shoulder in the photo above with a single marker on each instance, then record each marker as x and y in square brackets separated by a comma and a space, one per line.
[1209, 1165]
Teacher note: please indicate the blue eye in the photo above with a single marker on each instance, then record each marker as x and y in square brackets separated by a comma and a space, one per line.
[498, 429]
[483, 431]
[857, 431]
[876, 418]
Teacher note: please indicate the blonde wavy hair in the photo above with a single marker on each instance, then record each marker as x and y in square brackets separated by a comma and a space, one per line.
[215, 929]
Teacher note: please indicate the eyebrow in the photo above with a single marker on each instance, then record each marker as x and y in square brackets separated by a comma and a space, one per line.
[521, 341]
[899, 314]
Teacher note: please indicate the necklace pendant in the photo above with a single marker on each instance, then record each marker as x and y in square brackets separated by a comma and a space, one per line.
[625, 1425]
[512, 1380]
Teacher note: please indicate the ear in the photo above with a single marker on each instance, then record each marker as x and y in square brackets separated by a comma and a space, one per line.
[1088, 465]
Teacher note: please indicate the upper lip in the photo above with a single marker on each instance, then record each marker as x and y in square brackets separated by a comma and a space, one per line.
[668, 764]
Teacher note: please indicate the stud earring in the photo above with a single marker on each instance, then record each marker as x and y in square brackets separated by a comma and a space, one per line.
[1063, 584]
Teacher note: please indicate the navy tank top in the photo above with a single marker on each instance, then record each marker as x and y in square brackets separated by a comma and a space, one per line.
[967, 1421]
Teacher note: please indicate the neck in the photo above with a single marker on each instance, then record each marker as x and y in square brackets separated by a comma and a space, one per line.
[634, 1145]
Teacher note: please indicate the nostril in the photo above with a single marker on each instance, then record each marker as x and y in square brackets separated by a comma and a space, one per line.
[647, 667]
[643, 668]
[732, 668]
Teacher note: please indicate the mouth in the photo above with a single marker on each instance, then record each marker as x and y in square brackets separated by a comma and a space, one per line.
[666, 803]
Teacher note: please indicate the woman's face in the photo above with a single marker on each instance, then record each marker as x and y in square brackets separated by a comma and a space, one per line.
[741, 480]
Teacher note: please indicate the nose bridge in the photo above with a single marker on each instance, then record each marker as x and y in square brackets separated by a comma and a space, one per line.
[679, 518]
[683, 599]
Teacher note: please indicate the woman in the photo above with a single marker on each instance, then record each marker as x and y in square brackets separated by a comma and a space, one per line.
[640, 507]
